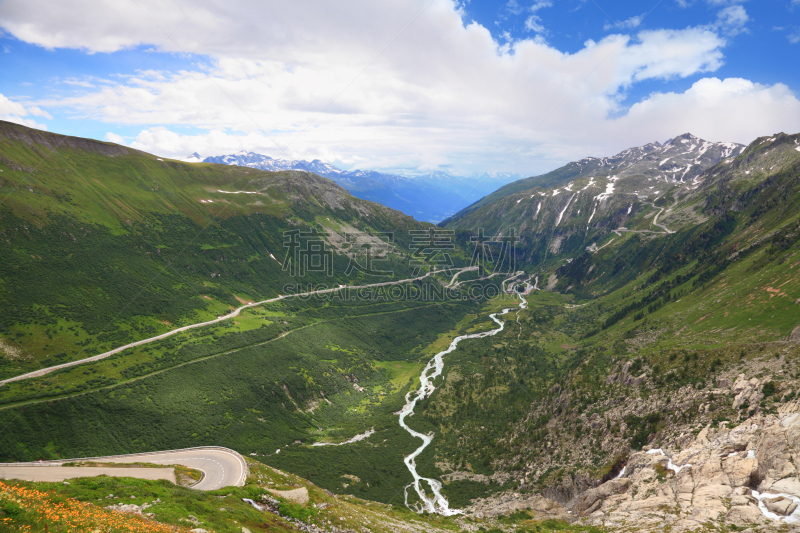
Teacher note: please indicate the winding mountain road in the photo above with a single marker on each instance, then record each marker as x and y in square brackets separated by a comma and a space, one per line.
[41, 372]
[221, 467]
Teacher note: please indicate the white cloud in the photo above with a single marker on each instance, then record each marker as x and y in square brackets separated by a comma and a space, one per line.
[514, 8]
[722, 110]
[289, 79]
[16, 112]
[534, 22]
[716, 3]
[633, 22]
[114, 138]
[78, 82]
[731, 20]
[725, 2]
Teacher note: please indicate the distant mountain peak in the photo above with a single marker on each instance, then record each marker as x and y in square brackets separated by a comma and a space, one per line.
[678, 161]
[430, 197]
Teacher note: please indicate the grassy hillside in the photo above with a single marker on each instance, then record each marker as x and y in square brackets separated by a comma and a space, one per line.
[641, 321]
[57, 508]
[103, 245]
[639, 342]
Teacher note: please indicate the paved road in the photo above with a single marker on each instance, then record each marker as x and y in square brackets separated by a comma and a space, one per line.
[221, 467]
[232, 314]
[61, 473]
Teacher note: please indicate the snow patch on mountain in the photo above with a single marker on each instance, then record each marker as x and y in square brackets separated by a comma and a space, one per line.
[561, 215]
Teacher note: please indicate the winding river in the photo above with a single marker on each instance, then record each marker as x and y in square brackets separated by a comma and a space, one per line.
[436, 503]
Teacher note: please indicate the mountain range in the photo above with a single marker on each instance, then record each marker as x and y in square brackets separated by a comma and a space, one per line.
[676, 161]
[612, 346]
[428, 197]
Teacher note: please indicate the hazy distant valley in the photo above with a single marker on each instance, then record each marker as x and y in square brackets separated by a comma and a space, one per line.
[429, 197]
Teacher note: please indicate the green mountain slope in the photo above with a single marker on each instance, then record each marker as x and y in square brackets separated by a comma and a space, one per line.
[648, 338]
[104, 245]
[665, 315]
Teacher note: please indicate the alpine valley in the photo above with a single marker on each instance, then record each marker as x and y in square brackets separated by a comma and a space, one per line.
[611, 346]
[429, 197]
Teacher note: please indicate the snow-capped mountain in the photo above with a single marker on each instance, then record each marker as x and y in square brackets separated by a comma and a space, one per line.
[678, 160]
[429, 197]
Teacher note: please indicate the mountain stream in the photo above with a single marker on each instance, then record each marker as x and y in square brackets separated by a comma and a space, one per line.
[437, 503]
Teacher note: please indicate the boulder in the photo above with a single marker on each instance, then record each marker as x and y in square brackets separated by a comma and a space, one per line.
[295, 495]
[795, 335]
[739, 470]
[744, 514]
[592, 499]
[779, 505]
[125, 508]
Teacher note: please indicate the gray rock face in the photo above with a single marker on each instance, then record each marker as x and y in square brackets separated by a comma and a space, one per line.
[795, 335]
[713, 478]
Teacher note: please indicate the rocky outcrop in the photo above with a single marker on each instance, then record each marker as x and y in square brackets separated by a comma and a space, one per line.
[591, 500]
[626, 377]
[746, 476]
[295, 495]
[746, 391]
[507, 503]
[795, 335]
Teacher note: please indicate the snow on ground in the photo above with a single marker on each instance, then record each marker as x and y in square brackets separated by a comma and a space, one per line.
[538, 208]
[518, 201]
[561, 215]
[664, 161]
[798, 148]
[592, 216]
[629, 209]
[591, 182]
[609, 189]
[357, 438]
[670, 464]
[791, 519]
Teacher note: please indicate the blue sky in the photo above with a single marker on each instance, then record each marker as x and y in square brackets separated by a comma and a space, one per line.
[410, 85]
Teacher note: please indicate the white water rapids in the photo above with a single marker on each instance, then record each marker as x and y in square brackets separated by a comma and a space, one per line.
[437, 503]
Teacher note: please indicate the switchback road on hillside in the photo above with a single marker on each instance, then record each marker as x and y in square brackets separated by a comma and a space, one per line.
[221, 467]
[232, 314]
